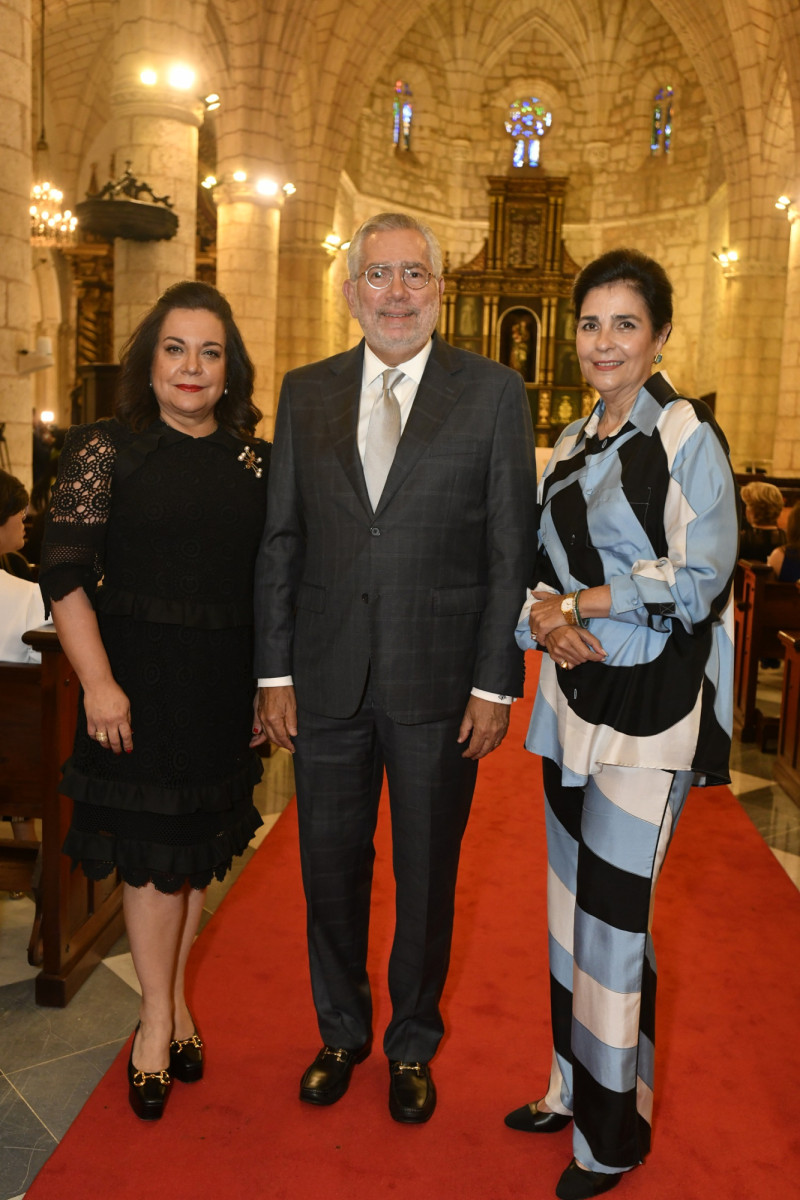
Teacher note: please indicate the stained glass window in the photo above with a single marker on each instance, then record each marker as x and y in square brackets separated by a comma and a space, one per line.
[661, 134]
[527, 122]
[402, 115]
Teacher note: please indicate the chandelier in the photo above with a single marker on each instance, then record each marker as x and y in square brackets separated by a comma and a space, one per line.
[49, 225]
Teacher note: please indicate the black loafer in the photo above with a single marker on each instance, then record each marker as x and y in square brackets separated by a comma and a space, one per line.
[531, 1120]
[412, 1096]
[328, 1077]
[147, 1090]
[579, 1184]
[186, 1058]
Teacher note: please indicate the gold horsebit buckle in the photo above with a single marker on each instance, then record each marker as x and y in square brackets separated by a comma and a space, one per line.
[178, 1046]
[140, 1078]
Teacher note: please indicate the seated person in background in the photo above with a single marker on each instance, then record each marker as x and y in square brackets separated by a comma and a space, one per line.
[785, 560]
[21, 606]
[763, 505]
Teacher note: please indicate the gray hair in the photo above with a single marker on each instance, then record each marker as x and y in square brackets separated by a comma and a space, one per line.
[383, 223]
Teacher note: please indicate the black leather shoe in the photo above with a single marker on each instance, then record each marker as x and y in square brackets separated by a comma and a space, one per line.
[147, 1090]
[578, 1184]
[412, 1096]
[328, 1077]
[530, 1119]
[186, 1058]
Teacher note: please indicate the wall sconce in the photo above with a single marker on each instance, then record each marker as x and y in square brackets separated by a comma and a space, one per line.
[334, 244]
[211, 101]
[726, 257]
[783, 203]
[263, 186]
[29, 361]
[179, 76]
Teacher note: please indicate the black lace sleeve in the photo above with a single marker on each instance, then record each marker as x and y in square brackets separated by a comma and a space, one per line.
[74, 541]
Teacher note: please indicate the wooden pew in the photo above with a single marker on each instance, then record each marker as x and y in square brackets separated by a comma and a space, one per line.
[20, 768]
[77, 920]
[787, 762]
[764, 608]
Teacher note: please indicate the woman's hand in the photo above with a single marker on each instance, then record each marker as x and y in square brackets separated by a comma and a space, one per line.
[108, 716]
[259, 732]
[567, 645]
[546, 615]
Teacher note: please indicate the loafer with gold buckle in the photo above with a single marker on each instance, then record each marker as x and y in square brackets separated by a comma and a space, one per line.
[412, 1096]
[186, 1058]
[147, 1090]
[328, 1077]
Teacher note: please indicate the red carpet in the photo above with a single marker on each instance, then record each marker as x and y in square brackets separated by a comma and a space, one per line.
[728, 938]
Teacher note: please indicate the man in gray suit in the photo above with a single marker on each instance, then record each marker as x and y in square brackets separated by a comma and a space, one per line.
[399, 540]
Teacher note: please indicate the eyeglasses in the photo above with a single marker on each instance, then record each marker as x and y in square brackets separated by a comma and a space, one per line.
[413, 277]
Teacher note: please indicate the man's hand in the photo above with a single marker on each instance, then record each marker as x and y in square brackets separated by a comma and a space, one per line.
[277, 711]
[485, 723]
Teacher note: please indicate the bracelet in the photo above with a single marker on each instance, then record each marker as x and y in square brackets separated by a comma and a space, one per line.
[583, 624]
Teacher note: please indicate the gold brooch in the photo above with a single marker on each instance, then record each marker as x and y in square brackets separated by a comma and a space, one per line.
[251, 461]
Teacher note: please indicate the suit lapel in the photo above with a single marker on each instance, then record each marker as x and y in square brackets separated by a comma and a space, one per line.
[439, 389]
[341, 401]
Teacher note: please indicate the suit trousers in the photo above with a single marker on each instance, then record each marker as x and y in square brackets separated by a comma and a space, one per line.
[339, 769]
[606, 843]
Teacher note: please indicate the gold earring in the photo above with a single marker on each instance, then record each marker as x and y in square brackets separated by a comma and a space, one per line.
[657, 359]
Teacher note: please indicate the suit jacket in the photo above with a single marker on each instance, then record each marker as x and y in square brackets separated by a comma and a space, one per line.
[423, 594]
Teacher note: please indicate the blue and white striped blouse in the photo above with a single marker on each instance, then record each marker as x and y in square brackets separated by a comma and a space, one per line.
[652, 512]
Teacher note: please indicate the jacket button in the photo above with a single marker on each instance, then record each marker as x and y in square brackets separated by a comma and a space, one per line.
[375, 531]
[365, 597]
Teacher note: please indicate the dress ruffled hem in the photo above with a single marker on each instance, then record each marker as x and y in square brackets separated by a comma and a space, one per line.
[215, 795]
[162, 610]
[168, 868]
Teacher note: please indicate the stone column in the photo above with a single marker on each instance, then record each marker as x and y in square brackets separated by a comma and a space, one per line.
[156, 131]
[310, 288]
[749, 362]
[159, 139]
[248, 229]
[15, 248]
[786, 450]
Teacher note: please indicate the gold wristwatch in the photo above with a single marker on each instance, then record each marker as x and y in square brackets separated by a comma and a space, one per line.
[568, 609]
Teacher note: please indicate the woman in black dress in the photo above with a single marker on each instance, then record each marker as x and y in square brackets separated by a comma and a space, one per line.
[148, 567]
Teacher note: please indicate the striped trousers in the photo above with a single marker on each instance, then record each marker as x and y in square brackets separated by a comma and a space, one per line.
[606, 843]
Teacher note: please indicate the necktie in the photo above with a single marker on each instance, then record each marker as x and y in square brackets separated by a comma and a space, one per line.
[383, 434]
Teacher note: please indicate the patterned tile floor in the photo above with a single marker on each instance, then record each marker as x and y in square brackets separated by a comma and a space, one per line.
[51, 1059]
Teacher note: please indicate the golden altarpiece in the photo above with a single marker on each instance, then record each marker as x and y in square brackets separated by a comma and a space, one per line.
[512, 302]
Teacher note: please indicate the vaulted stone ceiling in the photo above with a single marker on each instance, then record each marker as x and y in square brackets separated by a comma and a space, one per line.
[300, 71]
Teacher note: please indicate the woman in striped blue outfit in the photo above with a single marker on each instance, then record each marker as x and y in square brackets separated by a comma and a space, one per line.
[632, 607]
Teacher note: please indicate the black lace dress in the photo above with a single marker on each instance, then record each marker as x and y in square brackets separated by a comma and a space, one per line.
[161, 530]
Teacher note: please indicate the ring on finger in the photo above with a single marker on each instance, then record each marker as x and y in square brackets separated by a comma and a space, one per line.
[101, 736]
[564, 664]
